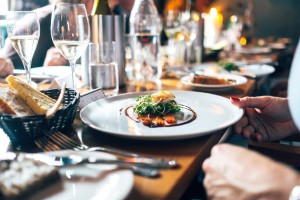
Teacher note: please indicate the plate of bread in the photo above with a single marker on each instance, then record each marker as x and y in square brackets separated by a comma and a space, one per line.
[23, 110]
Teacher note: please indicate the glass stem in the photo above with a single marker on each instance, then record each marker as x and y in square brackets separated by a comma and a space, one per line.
[27, 67]
[73, 65]
[188, 54]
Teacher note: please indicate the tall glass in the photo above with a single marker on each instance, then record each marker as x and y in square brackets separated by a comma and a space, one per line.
[23, 29]
[70, 32]
[172, 24]
[188, 33]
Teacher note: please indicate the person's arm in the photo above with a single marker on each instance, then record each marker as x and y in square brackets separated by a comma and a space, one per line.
[6, 67]
[234, 172]
[265, 118]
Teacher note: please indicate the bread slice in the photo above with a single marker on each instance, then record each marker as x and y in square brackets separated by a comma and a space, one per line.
[5, 108]
[36, 100]
[23, 177]
[12, 103]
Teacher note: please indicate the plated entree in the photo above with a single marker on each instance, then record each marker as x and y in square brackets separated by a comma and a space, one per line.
[212, 80]
[229, 66]
[156, 109]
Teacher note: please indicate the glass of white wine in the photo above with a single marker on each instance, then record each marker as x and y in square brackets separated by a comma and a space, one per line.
[70, 32]
[23, 29]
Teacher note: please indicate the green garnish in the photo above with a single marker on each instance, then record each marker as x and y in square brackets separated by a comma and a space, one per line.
[229, 66]
[145, 105]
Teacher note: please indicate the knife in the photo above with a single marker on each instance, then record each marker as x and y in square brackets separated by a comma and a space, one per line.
[75, 159]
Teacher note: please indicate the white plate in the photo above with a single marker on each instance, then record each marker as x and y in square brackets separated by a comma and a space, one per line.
[46, 72]
[255, 50]
[213, 113]
[100, 181]
[50, 72]
[258, 70]
[239, 80]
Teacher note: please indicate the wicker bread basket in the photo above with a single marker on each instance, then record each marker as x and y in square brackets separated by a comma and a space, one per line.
[26, 129]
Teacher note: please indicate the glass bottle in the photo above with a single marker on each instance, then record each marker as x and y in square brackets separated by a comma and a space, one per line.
[101, 7]
[145, 27]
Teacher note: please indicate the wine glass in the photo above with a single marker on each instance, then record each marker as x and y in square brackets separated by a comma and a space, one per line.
[70, 32]
[172, 28]
[172, 24]
[188, 33]
[23, 29]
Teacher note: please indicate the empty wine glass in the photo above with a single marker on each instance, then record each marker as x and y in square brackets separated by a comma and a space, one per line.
[70, 32]
[23, 29]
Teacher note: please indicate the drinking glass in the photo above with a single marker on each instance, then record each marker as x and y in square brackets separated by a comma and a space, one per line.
[70, 32]
[23, 29]
[103, 68]
[188, 34]
[172, 24]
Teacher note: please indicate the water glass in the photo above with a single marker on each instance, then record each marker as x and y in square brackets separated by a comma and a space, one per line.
[103, 68]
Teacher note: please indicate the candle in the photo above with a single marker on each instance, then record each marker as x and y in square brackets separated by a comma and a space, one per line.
[213, 23]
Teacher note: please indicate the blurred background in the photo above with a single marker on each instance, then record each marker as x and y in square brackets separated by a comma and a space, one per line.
[269, 18]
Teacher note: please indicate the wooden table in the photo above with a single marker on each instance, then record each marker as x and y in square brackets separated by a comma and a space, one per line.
[190, 153]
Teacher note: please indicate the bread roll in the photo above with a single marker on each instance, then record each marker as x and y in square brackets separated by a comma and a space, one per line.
[37, 101]
[12, 103]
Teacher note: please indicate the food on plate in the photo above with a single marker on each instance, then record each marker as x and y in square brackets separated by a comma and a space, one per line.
[211, 80]
[22, 177]
[156, 109]
[228, 66]
[23, 99]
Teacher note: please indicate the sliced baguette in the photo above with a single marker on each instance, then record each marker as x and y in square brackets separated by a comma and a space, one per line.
[37, 101]
[5, 108]
[12, 103]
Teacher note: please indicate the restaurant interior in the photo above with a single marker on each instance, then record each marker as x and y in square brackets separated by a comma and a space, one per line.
[143, 99]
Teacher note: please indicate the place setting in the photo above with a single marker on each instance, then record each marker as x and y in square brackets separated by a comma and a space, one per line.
[147, 89]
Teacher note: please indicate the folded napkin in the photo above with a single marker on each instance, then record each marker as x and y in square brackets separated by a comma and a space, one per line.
[58, 81]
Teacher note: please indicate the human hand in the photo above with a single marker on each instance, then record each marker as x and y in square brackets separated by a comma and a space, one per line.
[54, 58]
[233, 172]
[265, 118]
[6, 67]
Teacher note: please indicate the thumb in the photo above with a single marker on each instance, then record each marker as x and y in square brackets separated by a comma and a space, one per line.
[250, 102]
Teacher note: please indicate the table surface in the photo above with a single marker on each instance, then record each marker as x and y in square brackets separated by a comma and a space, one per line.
[190, 153]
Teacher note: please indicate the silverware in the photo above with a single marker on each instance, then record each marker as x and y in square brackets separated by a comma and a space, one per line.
[58, 141]
[75, 160]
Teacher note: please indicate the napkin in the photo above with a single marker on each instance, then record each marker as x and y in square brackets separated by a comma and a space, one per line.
[58, 81]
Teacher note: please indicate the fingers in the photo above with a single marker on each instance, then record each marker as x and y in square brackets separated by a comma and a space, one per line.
[238, 127]
[218, 155]
[251, 126]
[251, 102]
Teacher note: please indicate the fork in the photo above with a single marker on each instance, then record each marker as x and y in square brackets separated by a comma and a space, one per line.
[48, 145]
[59, 141]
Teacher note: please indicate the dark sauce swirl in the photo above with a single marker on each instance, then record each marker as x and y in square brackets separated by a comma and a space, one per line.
[184, 116]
